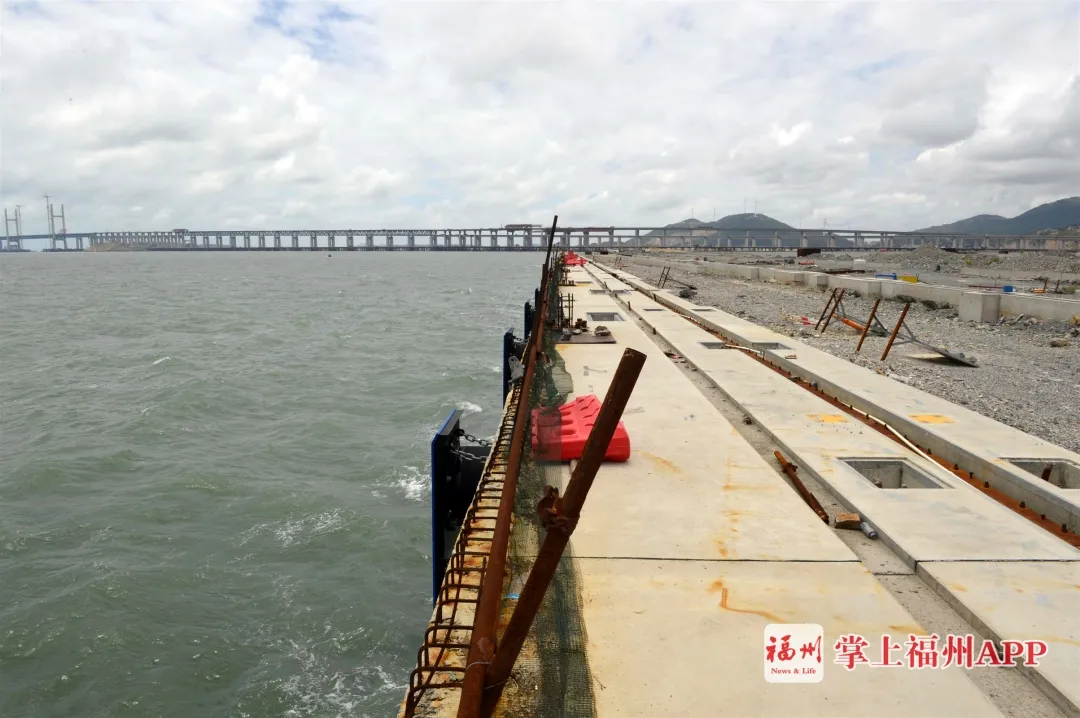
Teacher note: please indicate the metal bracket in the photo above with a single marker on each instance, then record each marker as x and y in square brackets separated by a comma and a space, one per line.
[551, 516]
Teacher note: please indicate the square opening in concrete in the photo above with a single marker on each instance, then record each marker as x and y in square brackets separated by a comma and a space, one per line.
[1063, 474]
[767, 346]
[654, 309]
[604, 317]
[624, 291]
[714, 345]
[703, 309]
[894, 474]
[597, 291]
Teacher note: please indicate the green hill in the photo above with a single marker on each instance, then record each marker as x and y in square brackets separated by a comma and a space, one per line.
[1052, 215]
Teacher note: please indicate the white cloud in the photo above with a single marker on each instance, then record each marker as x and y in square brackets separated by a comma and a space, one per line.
[281, 114]
[905, 198]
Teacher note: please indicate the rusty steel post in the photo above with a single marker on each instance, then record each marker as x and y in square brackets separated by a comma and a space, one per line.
[836, 304]
[560, 516]
[828, 304]
[895, 331]
[482, 642]
[866, 329]
[791, 470]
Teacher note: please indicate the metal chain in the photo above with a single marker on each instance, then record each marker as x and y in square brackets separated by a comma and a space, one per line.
[475, 440]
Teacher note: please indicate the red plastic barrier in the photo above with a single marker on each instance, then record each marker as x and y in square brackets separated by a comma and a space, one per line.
[572, 260]
[561, 435]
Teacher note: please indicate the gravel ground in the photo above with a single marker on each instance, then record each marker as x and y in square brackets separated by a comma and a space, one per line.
[1021, 380]
[930, 258]
[1052, 265]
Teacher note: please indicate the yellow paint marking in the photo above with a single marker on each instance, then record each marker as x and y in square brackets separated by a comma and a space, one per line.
[829, 418]
[932, 418]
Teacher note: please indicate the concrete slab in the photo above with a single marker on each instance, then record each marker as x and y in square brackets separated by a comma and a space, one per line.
[977, 443]
[822, 440]
[1050, 308]
[686, 638]
[1022, 601]
[980, 306]
[1055, 309]
[865, 287]
[693, 487]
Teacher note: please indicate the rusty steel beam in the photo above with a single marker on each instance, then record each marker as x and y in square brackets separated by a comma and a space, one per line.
[895, 331]
[560, 517]
[866, 329]
[482, 643]
[828, 304]
[791, 470]
[835, 306]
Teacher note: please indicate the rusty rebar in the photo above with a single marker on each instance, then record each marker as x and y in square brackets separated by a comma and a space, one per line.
[828, 303]
[791, 470]
[836, 304]
[482, 642]
[560, 516]
[862, 337]
[895, 331]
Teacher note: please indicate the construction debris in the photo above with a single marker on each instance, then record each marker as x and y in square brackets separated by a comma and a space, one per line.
[848, 521]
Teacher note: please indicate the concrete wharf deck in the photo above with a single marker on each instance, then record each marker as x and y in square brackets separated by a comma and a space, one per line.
[686, 552]
[1005, 574]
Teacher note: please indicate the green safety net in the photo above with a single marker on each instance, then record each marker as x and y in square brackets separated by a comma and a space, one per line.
[551, 678]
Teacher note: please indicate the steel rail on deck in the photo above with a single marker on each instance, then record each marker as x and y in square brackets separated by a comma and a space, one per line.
[482, 643]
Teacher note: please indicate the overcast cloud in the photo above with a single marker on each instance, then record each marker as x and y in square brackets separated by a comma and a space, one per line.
[308, 114]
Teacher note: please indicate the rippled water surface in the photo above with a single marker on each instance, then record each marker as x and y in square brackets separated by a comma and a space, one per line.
[213, 472]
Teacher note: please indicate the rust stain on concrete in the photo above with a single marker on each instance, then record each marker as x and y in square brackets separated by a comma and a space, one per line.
[718, 586]
[908, 628]
[661, 462]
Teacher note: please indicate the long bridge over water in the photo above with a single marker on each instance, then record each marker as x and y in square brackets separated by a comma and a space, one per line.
[531, 237]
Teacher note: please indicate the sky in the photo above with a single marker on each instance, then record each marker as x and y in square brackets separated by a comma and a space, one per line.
[302, 114]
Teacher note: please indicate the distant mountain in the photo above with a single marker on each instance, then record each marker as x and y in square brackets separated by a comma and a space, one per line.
[748, 221]
[754, 230]
[1052, 215]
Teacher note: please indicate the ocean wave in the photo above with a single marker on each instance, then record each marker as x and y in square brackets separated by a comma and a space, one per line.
[470, 408]
[318, 688]
[413, 482]
[158, 361]
[298, 532]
